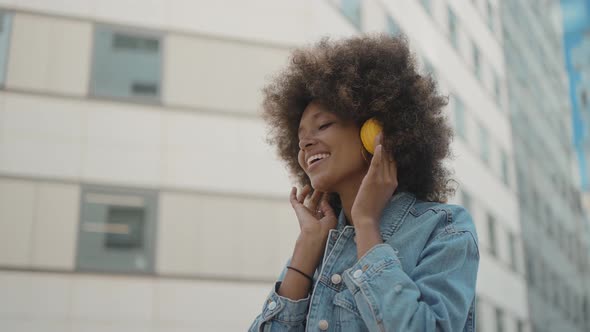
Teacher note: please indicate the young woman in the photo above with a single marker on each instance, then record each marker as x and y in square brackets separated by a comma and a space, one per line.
[379, 250]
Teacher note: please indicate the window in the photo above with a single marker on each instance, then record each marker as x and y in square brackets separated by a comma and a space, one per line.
[554, 279]
[519, 325]
[530, 267]
[126, 65]
[352, 10]
[497, 92]
[512, 248]
[453, 28]
[484, 142]
[392, 26]
[492, 234]
[5, 24]
[460, 118]
[542, 284]
[499, 320]
[476, 62]
[427, 6]
[117, 230]
[504, 167]
[490, 10]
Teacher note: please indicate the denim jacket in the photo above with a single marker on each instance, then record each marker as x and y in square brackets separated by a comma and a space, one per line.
[422, 278]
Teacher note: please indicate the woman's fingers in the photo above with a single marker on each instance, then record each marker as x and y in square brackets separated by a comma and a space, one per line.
[302, 206]
[314, 200]
[303, 193]
[293, 197]
[376, 161]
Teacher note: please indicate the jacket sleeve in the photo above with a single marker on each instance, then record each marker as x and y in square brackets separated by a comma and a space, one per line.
[436, 296]
[280, 313]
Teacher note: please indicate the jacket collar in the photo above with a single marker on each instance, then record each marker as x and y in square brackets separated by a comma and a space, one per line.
[393, 215]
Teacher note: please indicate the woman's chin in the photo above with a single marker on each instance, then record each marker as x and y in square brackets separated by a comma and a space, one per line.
[321, 184]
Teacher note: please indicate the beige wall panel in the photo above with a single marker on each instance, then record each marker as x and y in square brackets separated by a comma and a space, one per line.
[220, 153]
[112, 299]
[123, 144]
[216, 74]
[178, 228]
[208, 235]
[39, 296]
[257, 243]
[41, 136]
[49, 55]
[17, 201]
[208, 306]
[288, 231]
[56, 226]
[69, 7]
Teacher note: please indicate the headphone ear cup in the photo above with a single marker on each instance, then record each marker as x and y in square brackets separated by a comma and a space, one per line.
[369, 131]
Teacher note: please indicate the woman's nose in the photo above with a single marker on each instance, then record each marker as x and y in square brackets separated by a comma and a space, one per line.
[306, 142]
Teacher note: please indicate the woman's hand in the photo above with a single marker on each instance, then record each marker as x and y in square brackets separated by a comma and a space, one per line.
[316, 218]
[314, 213]
[376, 189]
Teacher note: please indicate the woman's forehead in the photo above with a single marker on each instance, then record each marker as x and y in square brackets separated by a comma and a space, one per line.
[313, 111]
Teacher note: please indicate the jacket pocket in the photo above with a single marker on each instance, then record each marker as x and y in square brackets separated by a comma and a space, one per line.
[346, 306]
[348, 317]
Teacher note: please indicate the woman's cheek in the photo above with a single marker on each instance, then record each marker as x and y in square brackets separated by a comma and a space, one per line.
[300, 157]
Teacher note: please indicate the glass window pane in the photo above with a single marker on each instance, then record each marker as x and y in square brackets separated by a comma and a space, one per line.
[476, 61]
[426, 4]
[460, 118]
[5, 27]
[126, 65]
[490, 13]
[352, 10]
[484, 141]
[392, 26]
[499, 320]
[492, 234]
[126, 225]
[453, 28]
[117, 230]
[504, 167]
[512, 247]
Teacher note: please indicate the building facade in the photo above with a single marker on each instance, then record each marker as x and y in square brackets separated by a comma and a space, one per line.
[553, 220]
[137, 192]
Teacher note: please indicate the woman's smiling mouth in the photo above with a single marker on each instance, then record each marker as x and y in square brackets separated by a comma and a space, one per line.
[316, 159]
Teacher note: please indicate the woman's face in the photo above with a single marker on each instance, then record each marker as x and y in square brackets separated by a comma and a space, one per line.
[329, 149]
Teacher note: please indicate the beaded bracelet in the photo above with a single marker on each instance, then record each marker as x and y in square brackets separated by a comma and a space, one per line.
[302, 273]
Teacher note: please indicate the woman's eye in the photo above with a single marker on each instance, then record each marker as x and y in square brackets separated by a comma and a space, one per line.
[324, 126]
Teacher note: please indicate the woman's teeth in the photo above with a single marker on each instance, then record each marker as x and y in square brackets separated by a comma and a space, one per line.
[317, 157]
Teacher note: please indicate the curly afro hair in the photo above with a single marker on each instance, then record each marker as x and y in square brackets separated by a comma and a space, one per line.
[359, 78]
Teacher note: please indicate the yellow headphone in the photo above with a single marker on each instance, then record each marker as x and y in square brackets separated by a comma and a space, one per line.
[369, 131]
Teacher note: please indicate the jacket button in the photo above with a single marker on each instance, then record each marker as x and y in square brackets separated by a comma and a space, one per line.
[357, 274]
[336, 279]
[323, 325]
[272, 305]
